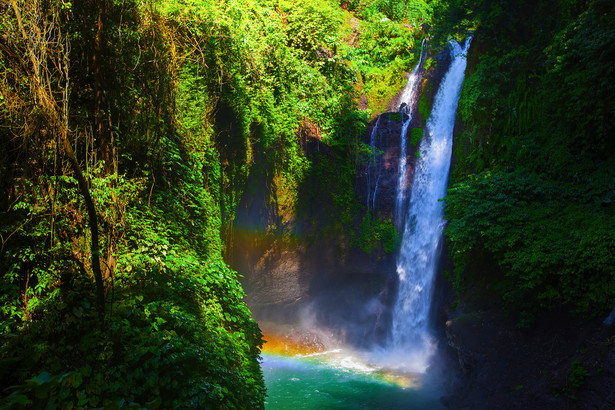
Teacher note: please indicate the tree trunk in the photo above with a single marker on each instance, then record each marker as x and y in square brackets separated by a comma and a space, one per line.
[101, 119]
[50, 107]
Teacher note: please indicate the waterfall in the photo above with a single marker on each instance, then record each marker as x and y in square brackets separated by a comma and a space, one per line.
[408, 93]
[373, 167]
[407, 100]
[418, 257]
[403, 178]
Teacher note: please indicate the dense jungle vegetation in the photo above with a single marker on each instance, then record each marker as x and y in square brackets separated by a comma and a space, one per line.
[128, 129]
[530, 205]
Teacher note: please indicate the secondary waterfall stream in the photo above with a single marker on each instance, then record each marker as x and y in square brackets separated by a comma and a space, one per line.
[417, 263]
[407, 101]
[373, 171]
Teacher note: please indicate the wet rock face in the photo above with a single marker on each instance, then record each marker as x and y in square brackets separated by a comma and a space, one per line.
[306, 283]
[290, 277]
[562, 363]
[378, 177]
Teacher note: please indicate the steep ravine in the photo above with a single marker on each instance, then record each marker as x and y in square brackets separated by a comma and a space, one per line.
[293, 273]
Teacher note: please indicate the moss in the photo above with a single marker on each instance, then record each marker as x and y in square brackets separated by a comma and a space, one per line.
[424, 107]
[395, 117]
[416, 135]
[377, 233]
[430, 63]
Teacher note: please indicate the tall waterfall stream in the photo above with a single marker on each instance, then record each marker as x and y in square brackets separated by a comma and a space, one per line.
[418, 257]
[393, 376]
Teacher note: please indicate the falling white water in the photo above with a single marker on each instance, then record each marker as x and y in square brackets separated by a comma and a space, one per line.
[409, 92]
[408, 97]
[418, 257]
[403, 178]
[373, 167]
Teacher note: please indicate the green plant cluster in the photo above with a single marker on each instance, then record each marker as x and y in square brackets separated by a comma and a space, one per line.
[549, 250]
[375, 233]
[414, 12]
[531, 204]
[386, 39]
[576, 378]
[178, 336]
[416, 135]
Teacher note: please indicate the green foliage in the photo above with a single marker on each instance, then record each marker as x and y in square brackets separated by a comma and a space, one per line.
[416, 135]
[577, 374]
[575, 379]
[179, 336]
[312, 27]
[533, 180]
[396, 117]
[384, 41]
[539, 238]
[382, 45]
[382, 57]
[430, 63]
[376, 233]
[582, 57]
[424, 108]
[414, 11]
[178, 333]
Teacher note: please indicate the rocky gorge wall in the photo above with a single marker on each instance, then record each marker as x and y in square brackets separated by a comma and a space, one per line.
[294, 274]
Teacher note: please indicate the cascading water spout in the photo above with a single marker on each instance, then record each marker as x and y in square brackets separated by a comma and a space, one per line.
[409, 92]
[418, 257]
[373, 167]
[403, 178]
[407, 101]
